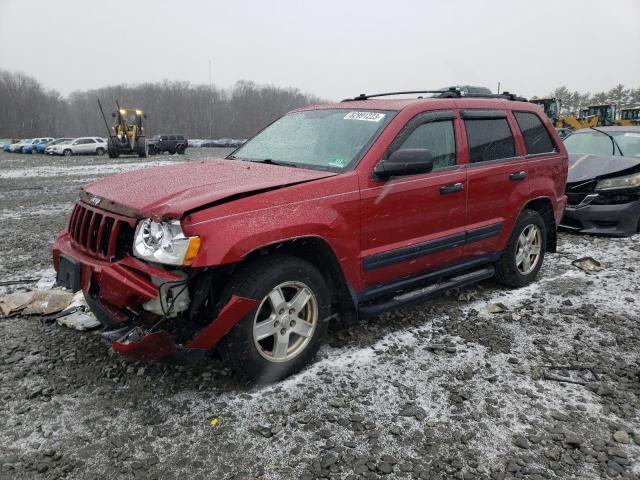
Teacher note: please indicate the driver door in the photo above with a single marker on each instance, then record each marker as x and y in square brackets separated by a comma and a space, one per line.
[415, 223]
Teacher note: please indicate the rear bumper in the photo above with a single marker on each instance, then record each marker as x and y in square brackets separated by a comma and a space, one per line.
[115, 292]
[616, 220]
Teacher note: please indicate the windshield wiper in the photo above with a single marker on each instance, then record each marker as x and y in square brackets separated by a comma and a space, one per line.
[614, 142]
[271, 161]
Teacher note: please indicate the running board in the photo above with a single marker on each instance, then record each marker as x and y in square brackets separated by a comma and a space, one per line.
[415, 296]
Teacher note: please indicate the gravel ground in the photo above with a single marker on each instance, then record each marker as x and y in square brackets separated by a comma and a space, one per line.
[541, 382]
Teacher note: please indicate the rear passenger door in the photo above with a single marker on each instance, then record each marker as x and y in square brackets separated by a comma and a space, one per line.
[547, 167]
[497, 180]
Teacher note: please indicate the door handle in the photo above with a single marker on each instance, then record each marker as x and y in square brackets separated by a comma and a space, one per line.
[515, 176]
[456, 187]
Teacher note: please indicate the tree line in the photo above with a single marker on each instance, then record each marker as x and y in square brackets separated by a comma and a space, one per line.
[573, 102]
[199, 111]
[27, 109]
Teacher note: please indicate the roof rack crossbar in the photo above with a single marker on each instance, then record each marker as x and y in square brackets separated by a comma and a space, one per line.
[452, 92]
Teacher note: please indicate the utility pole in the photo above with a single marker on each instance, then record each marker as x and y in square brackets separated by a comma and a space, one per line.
[212, 101]
[498, 87]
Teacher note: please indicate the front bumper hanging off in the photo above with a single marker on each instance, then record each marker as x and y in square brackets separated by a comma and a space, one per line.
[115, 290]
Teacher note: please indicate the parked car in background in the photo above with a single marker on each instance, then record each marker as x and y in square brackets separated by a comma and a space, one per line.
[31, 146]
[167, 143]
[79, 146]
[603, 187]
[17, 146]
[41, 147]
[6, 141]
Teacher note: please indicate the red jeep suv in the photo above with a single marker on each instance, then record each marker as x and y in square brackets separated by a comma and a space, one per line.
[354, 208]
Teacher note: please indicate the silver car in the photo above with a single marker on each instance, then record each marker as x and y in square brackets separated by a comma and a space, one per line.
[79, 146]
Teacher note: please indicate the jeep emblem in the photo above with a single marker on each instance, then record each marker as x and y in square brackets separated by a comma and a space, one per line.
[95, 200]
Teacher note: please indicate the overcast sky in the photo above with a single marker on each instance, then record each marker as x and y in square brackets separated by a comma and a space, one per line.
[330, 48]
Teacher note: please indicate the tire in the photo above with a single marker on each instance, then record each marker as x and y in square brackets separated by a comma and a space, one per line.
[180, 149]
[112, 149]
[100, 151]
[142, 147]
[257, 359]
[68, 152]
[512, 270]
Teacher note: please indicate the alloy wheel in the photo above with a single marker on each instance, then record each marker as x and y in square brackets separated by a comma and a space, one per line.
[285, 321]
[528, 249]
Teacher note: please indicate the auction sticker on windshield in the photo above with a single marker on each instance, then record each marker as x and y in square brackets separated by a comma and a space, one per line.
[366, 116]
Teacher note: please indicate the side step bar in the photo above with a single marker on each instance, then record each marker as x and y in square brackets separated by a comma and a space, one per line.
[415, 296]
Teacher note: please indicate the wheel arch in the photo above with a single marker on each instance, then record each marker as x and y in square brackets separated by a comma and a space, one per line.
[318, 253]
[544, 207]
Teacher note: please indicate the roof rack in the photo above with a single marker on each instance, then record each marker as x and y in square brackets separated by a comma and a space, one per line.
[451, 92]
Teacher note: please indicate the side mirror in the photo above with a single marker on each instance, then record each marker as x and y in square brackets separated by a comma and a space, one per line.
[406, 161]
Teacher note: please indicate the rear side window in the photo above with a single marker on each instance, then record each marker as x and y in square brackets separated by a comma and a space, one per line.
[172, 137]
[438, 138]
[489, 139]
[536, 136]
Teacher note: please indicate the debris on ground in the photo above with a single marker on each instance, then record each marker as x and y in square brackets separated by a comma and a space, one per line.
[46, 302]
[79, 320]
[493, 308]
[14, 302]
[21, 281]
[588, 264]
[36, 302]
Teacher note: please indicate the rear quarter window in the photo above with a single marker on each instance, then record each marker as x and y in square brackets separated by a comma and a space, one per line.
[536, 137]
[489, 139]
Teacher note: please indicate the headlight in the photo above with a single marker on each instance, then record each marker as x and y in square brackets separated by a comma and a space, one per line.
[164, 242]
[630, 181]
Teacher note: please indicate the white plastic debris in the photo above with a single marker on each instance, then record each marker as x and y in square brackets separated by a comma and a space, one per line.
[79, 320]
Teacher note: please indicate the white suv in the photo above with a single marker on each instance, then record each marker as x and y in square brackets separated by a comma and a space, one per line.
[79, 146]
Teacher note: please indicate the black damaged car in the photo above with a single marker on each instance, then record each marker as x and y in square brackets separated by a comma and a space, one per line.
[603, 187]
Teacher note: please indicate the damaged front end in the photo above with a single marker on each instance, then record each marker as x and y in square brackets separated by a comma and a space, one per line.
[603, 195]
[137, 280]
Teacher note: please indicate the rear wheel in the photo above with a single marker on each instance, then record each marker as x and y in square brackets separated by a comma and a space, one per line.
[524, 255]
[67, 152]
[284, 333]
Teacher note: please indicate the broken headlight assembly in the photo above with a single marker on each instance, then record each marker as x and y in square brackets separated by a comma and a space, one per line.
[628, 181]
[164, 242]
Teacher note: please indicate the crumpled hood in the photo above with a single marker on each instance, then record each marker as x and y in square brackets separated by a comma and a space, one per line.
[171, 191]
[589, 167]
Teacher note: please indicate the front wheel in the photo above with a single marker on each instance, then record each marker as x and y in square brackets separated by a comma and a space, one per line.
[67, 153]
[100, 151]
[285, 331]
[142, 147]
[523, 257]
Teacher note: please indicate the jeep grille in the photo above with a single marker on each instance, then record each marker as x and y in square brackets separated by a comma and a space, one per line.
[100, 234]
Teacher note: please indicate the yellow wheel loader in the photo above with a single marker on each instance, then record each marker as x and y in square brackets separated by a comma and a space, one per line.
[629, 116]
[127, 136]
[551, 107]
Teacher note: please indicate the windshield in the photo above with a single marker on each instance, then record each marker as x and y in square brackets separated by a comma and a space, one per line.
[332, 140]
[597, 143]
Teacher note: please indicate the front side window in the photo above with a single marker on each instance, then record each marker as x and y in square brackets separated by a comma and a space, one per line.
[536, 137]
[489, 139]
[438, 138]
[332, 139]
